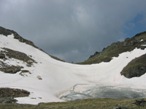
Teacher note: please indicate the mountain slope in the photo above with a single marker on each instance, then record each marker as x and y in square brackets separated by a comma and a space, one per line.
[117, 48]
[7, 32]
[24, 66]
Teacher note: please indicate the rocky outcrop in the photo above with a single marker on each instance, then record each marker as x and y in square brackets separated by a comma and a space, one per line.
[17, 55]
[5, 100]
[10, 92]
[6, 54]
[11, 69]
[7, 95]
[135, 68]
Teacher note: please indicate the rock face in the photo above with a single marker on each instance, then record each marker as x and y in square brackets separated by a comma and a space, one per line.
[135, 68]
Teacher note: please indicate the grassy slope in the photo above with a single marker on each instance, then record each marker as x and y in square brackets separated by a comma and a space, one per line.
[116, 48]
[83, 104]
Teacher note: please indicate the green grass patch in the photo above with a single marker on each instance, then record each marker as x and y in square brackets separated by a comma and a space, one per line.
[80, 104]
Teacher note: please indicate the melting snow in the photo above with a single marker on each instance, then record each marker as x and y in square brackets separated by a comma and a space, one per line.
[51, 79]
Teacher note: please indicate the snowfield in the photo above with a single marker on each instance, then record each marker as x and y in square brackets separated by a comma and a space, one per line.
[50, 80]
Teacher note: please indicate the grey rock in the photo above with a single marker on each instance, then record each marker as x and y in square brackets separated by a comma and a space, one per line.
[5, 100]
[11, 69]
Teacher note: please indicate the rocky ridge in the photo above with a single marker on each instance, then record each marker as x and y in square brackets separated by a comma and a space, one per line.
[7, 32]
[113, 50]
[136, 67]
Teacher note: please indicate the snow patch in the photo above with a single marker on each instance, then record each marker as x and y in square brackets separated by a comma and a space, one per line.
[58, 78]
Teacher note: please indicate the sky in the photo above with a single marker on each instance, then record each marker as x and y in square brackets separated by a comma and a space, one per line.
[74, 29]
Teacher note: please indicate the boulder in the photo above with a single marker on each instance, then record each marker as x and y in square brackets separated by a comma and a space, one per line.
[135, 68]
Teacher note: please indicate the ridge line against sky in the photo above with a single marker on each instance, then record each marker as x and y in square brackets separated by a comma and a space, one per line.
[74, 29]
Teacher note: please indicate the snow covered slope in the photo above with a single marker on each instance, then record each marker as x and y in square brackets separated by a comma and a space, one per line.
[49, 80]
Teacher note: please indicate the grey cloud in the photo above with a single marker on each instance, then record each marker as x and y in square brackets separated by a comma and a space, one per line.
[70, 29]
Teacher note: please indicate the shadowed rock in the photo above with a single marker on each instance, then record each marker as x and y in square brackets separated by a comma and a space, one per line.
[5, 100]
[10, 92]
[140, 102]
[135, 68]
[11, 69]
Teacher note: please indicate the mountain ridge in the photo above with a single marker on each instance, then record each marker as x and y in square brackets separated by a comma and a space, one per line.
[44, 79]
[7, 32]
[117, 48]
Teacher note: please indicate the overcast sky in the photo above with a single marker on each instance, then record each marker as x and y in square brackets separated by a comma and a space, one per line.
[73, 29]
